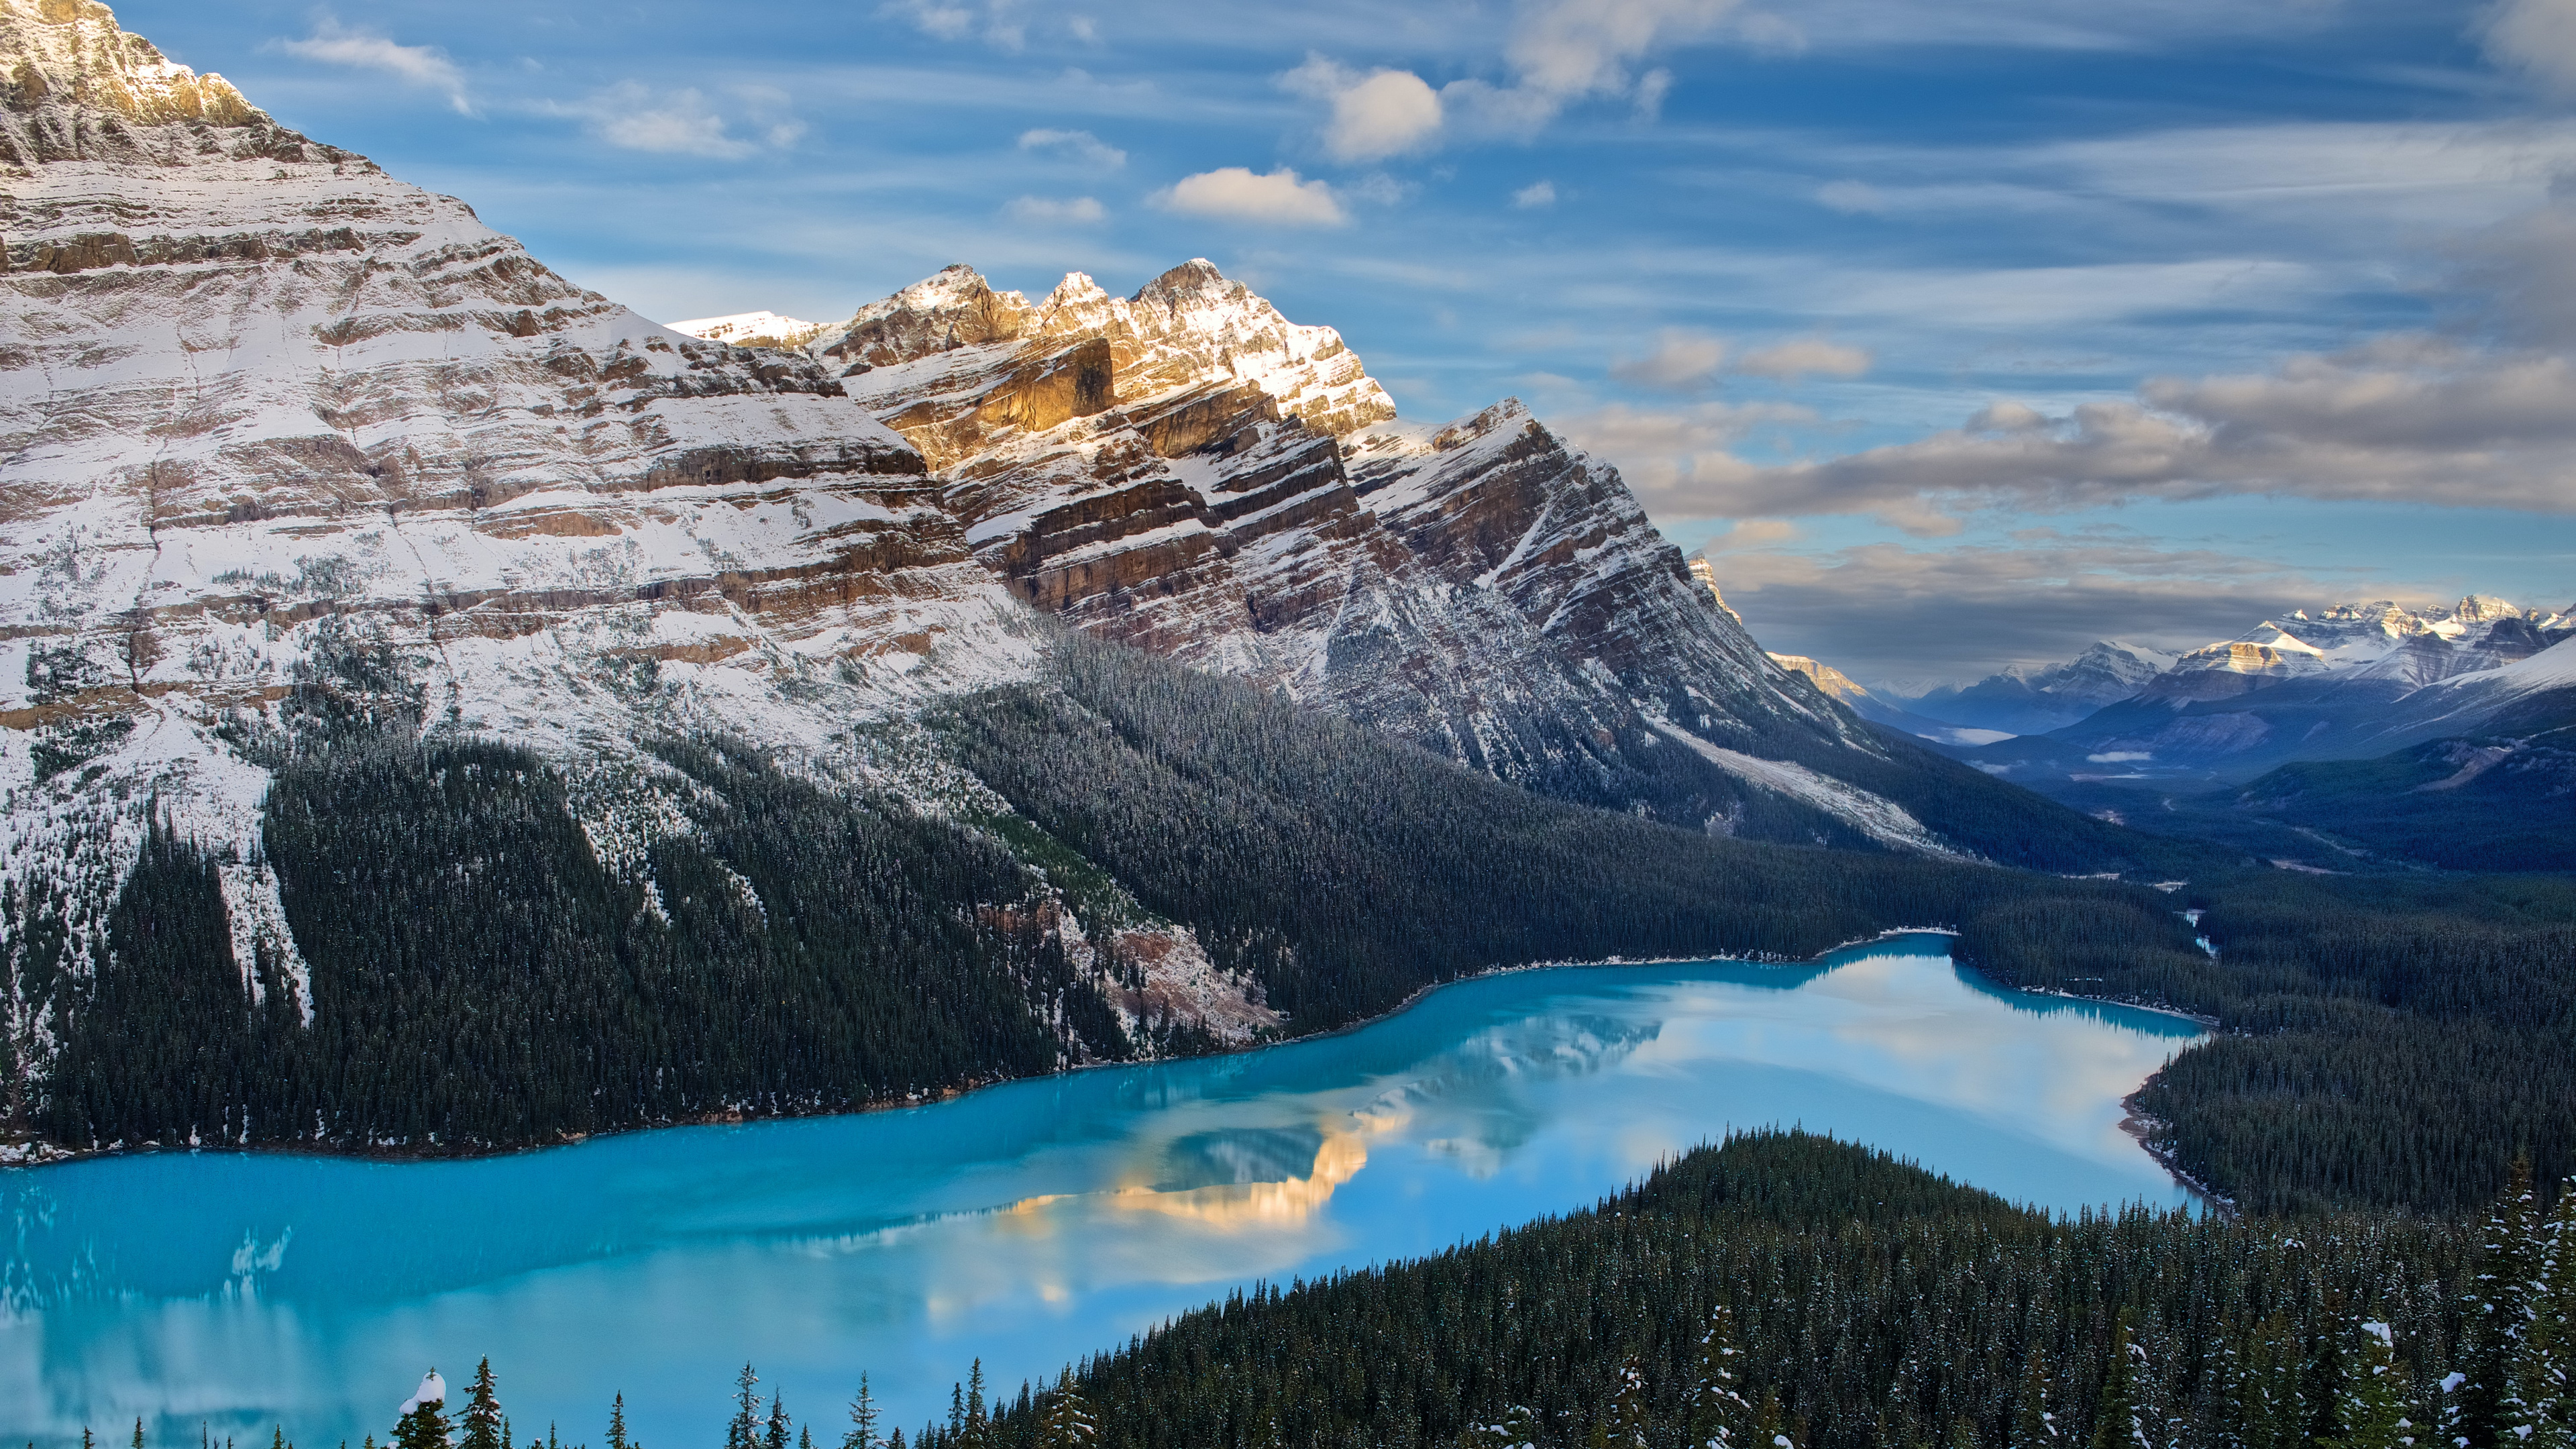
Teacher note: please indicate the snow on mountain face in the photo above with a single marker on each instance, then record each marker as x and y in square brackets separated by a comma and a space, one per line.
[257, 396]
[253, 390]
[1186, 470]
[2027, 700]
[2379, 640]
[751, 329]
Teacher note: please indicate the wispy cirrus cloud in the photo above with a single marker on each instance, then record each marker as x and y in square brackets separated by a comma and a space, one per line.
[685, 121]
[1057, 211]
[426, 66]
[1080, 148]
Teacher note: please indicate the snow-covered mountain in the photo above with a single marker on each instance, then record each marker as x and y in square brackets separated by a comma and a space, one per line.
[2029, 700]
[751, 329]
[2353, 681]
[277, 421]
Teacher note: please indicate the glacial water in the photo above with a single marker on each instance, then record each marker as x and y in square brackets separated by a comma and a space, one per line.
[1025, 1225]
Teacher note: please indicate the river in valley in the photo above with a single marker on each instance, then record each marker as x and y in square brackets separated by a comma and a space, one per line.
[1026, 1224]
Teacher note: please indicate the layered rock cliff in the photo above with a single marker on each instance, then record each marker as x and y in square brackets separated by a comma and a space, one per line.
[1188, 471]
[288, 440]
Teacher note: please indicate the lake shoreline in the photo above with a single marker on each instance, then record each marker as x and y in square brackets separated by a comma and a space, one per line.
[44, 1154]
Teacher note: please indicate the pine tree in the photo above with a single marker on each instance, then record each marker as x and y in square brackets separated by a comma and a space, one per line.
[424, 1426]
[483, 1424]
[2121, 1419]
[1516, 1429]
[2538, 1409]
[863, 1419]
[2500, 1307]
[2371, 1411]
[973, 1426]
[1624, 1421]
[1770, 1424]
[2539, 1405]
[2033, 1427]
[617, 1425]
[1720, 1416]
[744, 1430]
[777, 1435]
[2271, 1412]
[1068, 1422]
[138, 1434]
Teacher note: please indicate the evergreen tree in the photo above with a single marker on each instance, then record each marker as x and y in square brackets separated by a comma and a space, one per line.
[1770, 1425]
[1516, 1429]
[2270, 1409]
[484, 1428]
[1624, 1421]
[974, 1427]
[777, 1435]
[2500, 1307]
[1067, 1422]
[743, 1432]
[1720, 1416]
[2121, 1418]
[2371, 1411]
[425, 1425]
[617, 1425]
[863, 1419]
[2540, 1398]
[2033, 1427]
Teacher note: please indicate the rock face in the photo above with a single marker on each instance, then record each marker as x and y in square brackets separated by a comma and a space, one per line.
[1186, 470]
[2353, 681]
[265, 405]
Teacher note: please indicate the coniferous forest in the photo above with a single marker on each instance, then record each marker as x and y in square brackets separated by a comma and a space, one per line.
[1785, 1291]
[479, 975]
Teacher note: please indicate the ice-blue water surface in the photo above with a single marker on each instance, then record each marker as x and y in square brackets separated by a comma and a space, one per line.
[1025, 1225]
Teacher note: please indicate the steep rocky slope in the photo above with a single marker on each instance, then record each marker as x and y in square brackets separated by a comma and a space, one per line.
[1186, 470]
[319, 496]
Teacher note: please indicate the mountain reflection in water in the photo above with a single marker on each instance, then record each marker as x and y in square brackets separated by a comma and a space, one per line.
[1026, 1224]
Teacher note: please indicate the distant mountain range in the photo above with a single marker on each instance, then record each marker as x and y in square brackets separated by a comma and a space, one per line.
[2435, 735]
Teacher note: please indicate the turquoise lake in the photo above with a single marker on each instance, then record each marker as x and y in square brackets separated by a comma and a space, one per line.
[1026, 1224]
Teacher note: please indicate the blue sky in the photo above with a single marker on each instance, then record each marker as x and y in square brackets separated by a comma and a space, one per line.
[1961, 334]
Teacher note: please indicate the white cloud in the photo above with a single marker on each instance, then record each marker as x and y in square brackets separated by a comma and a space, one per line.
[1236, 193]
[1852, 198]
[638, 117]
[1567, 49]
[1081, 147]
[1753, 533]
[996, 22]
[1767, 34]
[2406, 419]
[1800, 356]
[2538, 36]
[1656, 449]
[1961, 611]
[1383, 113]
[421, 65]
[1052, 211]
[1651, 90]
[1681, 359]
[1535, 195]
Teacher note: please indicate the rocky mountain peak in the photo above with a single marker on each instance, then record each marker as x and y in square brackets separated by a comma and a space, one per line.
[72, 52]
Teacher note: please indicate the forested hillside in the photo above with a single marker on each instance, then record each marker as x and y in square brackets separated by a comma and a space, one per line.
[1786, 1291]
[2391, 1041]
[476, 962]
[1786, 1288]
